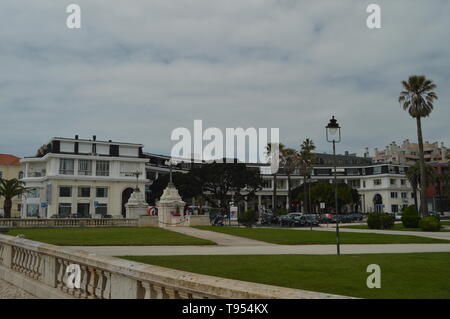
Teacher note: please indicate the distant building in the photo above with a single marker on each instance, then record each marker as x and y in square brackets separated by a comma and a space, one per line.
[87, 178]
[408, 153]
[10, 168]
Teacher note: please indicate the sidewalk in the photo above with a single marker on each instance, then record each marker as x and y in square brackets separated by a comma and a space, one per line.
[8, 291]
[261, 250]
[219, 238]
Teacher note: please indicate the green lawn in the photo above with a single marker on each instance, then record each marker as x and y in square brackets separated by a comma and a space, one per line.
[421, 275]
[308, 237]
[123, 236]
[446, 223]
[396, 227]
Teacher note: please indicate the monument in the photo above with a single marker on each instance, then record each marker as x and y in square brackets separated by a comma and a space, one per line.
[136, 205]
[171, 205]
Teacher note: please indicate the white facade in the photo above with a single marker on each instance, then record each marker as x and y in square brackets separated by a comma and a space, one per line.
[85, 177]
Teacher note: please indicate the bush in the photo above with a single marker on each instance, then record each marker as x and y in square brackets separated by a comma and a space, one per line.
[248, 218]
[282, 211]
[410, 217]
[430, 224]
[380, 221]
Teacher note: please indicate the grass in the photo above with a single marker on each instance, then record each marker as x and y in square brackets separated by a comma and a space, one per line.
[310, 237]
[396, 227]
[123, 236]
[446, 223]
[420, 275]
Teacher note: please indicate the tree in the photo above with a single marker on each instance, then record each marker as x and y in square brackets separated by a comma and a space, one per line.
[306, 160]
[275, 156]
[10, 189]
[417, 98]
[291, 160]
[414, 176]
[220, 181]
[324, 192]
[188, 186]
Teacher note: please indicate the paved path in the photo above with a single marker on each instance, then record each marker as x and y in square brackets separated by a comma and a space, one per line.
[437, 235]
[219, 238]
[8, 291]
[261, 250]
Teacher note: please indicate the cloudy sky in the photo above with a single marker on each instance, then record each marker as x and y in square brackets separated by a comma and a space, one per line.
[138, 69]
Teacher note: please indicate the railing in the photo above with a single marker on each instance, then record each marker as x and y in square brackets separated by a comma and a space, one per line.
[67, 222]
[42, 269]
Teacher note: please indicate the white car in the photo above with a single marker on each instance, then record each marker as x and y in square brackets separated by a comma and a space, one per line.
[398, 216]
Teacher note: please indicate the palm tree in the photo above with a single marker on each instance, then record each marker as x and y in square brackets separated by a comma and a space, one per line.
[291, 162]
[414, 176]
[10, 189]
[280, 160]
[307, 159]
[417, 98]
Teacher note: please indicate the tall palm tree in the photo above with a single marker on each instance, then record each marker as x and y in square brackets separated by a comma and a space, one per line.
[414, 176]
[307, 159]
[280, 159]
[417, 98]
[291, 162]
[10, 189]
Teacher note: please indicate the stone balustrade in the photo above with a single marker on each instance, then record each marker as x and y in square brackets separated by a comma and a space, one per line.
[40, 269]
[67, 222]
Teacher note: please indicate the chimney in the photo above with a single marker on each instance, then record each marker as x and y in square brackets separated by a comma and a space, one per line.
[76, 137]
[94, 137]
[346, 152]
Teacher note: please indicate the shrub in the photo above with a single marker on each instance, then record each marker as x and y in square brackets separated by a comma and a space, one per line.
[430, 224]
[380, 221]
[282, 211]
[410, 217]
[248, 218]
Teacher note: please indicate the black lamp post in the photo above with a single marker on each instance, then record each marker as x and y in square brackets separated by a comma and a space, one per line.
[334, 136]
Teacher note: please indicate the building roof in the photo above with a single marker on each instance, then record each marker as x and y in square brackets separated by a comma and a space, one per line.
[6, 159]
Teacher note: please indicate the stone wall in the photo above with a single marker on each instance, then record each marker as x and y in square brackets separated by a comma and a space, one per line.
[40, 269]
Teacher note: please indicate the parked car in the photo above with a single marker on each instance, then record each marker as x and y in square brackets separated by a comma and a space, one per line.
[310, 220]
[269, 218]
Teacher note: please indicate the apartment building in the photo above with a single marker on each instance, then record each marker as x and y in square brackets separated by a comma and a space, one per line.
[382, 187]
[408, 153]
[10, 168]
[82, 177]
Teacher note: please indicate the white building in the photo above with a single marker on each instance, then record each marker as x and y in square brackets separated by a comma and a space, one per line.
[88, 178]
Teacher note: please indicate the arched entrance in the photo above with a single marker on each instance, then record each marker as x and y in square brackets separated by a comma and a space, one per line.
[125, 197]
[378, 203]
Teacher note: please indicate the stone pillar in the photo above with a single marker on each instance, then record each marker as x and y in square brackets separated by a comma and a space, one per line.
[136, 206]
[169, 206]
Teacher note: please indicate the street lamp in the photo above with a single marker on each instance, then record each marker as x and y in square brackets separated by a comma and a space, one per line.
[333, 131]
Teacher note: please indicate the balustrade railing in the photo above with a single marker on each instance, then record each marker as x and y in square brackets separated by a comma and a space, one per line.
[67, 222]
[45, 268]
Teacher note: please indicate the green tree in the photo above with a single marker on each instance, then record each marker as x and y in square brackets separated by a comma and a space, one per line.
[306, 159]
[10, 189]
[275, 157]
[414, 176]
[417, 98]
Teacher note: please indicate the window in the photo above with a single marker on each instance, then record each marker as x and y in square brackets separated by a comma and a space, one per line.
[66, 166]
[352, 171]
[1, 174]
[404, 195]
[267, 183]
[20, 175]
[84, 192]
[102, 192]
[65, 209]
[101, 209]
[33, 193]
[65, 191]
[394, 195]
[32, 210]
[393, 181]
[376, 182]
[394, 208]
[364, 184]
[403, 182]
[102, 168]
[84, 167]
[377, 170]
